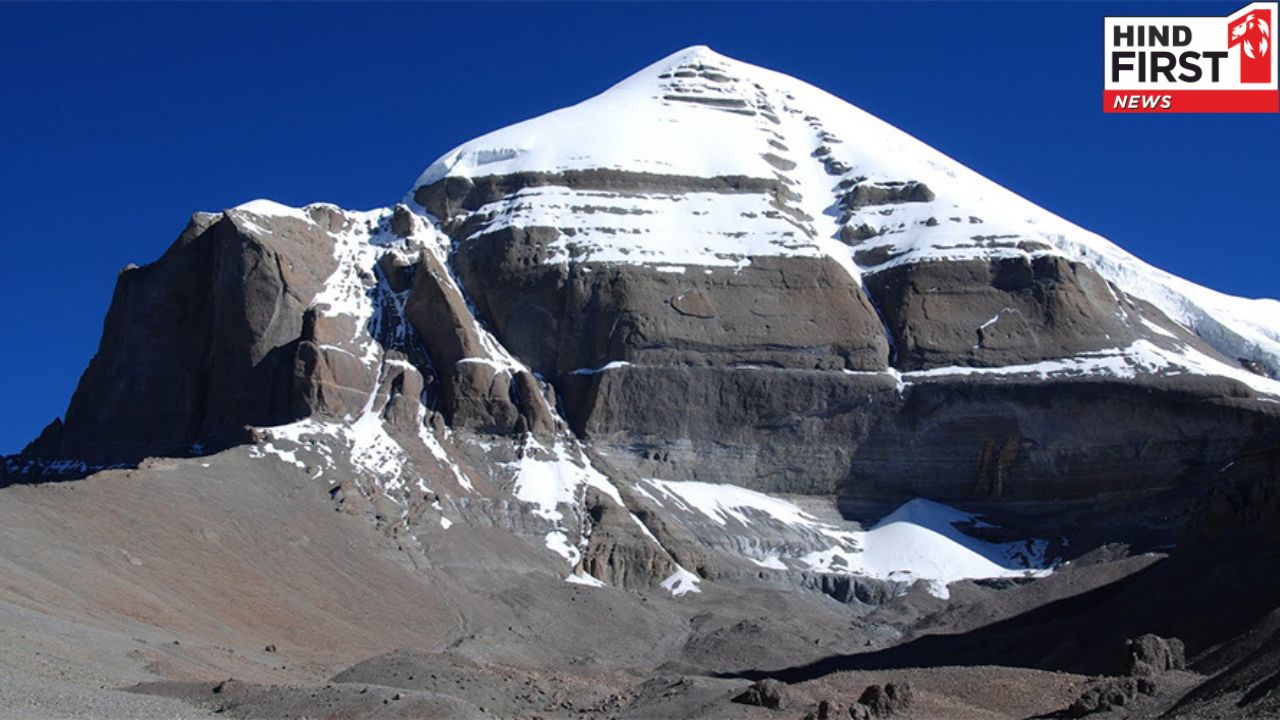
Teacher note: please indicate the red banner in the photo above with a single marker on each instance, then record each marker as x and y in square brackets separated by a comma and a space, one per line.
[1190, 101]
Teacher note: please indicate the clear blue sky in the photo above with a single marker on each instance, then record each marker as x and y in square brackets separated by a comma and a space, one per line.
[118, 121]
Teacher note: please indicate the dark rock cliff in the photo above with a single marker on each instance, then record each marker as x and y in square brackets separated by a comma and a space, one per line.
[780, 375]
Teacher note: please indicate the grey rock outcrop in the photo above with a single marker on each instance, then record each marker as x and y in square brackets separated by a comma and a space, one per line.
[481, 390]
[618, 551]
[205, 341]
[327, 378]
[1152, 655]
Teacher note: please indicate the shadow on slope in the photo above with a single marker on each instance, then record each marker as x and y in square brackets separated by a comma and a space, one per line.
[1249, 684]
[1204, 595]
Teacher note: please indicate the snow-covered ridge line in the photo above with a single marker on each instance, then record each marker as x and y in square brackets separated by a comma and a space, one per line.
[1235, 326]
[1142, 357]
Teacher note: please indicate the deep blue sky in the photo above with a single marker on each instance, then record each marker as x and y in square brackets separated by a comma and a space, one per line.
[118, 121]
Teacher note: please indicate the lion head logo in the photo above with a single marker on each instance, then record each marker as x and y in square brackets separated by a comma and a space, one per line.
[1251, 32]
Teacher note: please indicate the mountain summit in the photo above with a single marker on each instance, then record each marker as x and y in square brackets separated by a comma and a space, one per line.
[825, 171]
[775, 381]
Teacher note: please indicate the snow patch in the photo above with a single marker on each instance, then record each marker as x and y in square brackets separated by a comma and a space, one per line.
[603, 368]
[722, 502]
[920, 540]
[681, 582]
[270, 208]
[584, 578]
[261, 451]
[549, 479]
[557, 541]
[772, 562]
[1141, 357]
[1157, 329]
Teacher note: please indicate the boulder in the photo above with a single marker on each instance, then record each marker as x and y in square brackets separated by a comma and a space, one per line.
[882, 701]
[1108, 695]
[767, 693]
[1150, 655]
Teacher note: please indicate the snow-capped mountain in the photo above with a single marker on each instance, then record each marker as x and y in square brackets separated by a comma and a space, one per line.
[814, 174]
[709, 378]
[625, 328]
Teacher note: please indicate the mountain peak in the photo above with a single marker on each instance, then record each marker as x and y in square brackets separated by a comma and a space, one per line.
[648, 122]
[702, 160]
[692, 53]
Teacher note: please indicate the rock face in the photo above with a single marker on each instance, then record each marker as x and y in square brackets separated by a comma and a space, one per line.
[205, 341]
[773, 291]
[474, 392]
[804, 313]
[1004, 311]
[617, 553]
